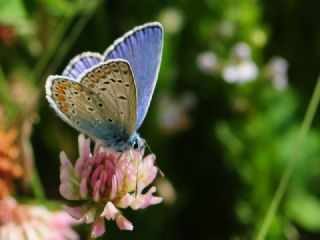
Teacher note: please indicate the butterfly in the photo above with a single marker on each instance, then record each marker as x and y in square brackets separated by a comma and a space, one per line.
[107, 96]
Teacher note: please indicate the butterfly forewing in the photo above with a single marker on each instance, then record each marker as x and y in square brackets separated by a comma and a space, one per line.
[113, 82]
[142, 48]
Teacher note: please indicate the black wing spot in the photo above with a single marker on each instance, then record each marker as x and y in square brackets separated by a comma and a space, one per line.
[120, 81]
[103, 89]
[122, 97]
[127, 85]
[72, 104]
[77, 122]
[112, 80]
[110, 120]
[100, 105]
[121, 112]
[76, 93]
[100, 73]
[106, 82]
[115, 68]
[89, 99]
[73, 112]
[90, 109]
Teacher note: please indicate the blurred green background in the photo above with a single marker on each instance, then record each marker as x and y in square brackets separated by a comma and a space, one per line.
[235, 81]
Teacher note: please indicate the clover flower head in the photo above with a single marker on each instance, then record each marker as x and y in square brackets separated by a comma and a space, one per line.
[106, 182]
[10, 167]
[21, 222]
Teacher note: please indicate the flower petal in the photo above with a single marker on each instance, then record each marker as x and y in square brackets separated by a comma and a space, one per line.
[145, 200]
[83, 188]
[75, 212]
[109, 211]
[123, 223]
[125, 201]
[98, 228]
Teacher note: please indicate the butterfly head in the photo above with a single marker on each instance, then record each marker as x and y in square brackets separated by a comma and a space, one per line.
[137, 142]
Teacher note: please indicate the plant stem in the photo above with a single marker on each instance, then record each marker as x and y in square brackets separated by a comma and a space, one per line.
[5, 97]
[77, 29]
[53, 45]
[285, 178]
[36, 185]
[66, 44]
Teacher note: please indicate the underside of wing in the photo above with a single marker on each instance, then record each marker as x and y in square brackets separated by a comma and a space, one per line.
[142, 48]
[84, 110]
[113, 82]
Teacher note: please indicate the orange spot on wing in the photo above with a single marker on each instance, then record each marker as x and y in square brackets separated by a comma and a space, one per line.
[60, 98]
[61, 91]
[77, 87]
[65, 84]
[64, 109]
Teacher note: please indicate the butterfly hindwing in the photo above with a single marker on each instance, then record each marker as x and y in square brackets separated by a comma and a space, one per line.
[81, 63]
[113, 82]
[142, 48]
[101, 103]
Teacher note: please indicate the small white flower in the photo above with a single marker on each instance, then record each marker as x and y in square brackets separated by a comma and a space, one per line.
[241, 72]
[207, 62]
[277, 71]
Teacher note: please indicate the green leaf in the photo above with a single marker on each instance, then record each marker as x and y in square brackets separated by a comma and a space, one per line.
[304, 209]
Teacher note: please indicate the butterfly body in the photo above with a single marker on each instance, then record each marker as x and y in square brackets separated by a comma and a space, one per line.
[107, 96]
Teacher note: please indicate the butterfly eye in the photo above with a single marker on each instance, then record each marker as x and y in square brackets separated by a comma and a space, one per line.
[136, 144]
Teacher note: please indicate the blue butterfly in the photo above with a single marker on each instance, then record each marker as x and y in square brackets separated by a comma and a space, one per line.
[107, 96]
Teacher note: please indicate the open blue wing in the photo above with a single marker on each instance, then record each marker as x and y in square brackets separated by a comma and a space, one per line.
[81, 63]
[142, 48]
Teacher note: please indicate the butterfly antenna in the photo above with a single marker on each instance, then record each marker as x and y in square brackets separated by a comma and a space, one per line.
[159, 170]
[147, 145]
